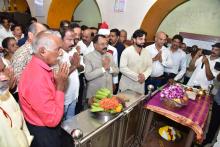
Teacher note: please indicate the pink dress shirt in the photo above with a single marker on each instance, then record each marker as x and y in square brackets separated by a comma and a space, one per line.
[41, 103]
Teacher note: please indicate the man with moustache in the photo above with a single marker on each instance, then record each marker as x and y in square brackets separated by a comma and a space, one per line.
[191, 53]
[135, 64]
[94, 31]
[205, 73]
[104, 30]
[178, 57]
[77, 32]
[86, 44]
[203, 66]
[99, 67]
[41, 92]
[72, 58]
[5, 30]
[114, 41]
[82, 86]
[123, 36]
[13, 129]
[161, 59]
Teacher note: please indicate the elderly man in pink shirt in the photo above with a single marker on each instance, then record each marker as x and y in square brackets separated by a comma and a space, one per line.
[41, 91]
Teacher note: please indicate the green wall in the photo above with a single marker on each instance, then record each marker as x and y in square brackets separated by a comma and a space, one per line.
[88, 12]
[194, 16]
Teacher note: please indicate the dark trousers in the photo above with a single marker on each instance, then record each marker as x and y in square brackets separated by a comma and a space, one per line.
[79, 104]
[15, 94]
[186, 79]
[214, 123]
[117, 85]
[168, 76]
[49, 137]
[156, 82]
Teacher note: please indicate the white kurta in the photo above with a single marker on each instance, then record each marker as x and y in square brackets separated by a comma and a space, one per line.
[16, 135]
[131, 65]
[115, 59]
[72, 91]
[85, 49]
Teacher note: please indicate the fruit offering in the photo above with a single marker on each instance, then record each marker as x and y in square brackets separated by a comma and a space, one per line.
[105, 102]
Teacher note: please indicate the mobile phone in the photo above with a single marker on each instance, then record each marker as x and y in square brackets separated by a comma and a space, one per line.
[206, 52]
[197, 87]
[217, 66]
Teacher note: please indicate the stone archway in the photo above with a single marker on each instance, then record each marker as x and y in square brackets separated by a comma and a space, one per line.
[85, 17]
[156, 15]
[61, 10]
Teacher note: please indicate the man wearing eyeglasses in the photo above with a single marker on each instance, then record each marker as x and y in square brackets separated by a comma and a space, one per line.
[99, 67]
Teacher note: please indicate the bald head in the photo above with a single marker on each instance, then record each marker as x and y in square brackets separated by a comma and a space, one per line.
[123, 36]
[47, 40]
[160, 38]
[47, 46]
[34, 29]
[87, 36]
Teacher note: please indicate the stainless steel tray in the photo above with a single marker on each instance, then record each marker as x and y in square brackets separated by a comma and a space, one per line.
[103, 116]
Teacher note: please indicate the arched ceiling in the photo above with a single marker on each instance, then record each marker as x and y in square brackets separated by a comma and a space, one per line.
[61, 10]
[156, 15]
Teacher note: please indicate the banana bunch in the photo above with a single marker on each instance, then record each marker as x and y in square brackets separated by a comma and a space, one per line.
[96, 108]
[102, 93]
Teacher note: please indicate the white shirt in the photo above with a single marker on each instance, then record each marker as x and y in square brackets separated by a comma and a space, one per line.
[157, 66]
[188, 60]
[84, 50]
[115, 59]
[22, 36]
[4, 33]
[72, 91]
[198, 77]
[179, 64]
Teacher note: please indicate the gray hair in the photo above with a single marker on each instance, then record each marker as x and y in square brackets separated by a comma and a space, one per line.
[33, 28]
[43, 39]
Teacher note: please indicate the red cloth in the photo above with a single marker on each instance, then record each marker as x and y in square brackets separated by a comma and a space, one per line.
[110, 51]
[41, 103]
[104, 25]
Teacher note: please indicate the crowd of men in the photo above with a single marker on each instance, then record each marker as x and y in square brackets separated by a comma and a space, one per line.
[53, 73]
